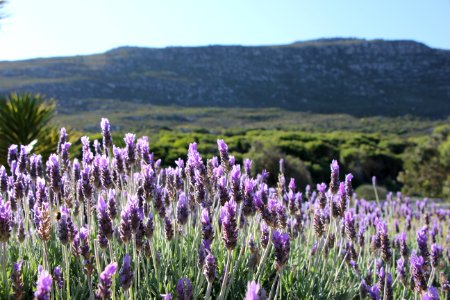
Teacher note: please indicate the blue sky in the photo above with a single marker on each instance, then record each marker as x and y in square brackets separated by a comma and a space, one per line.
[67, 27]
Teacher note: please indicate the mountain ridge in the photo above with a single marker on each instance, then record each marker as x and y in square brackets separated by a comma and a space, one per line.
[343, 75]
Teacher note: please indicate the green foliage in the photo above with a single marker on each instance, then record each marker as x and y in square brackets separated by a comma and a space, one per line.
[427, 165]
[24, 120]
[367, 192]
[308, 154]
[268, 157]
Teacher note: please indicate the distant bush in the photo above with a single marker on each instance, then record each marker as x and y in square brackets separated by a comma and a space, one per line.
[366, 191]
[268, 158]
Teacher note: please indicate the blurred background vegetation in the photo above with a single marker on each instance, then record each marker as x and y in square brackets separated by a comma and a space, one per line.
[415, 159]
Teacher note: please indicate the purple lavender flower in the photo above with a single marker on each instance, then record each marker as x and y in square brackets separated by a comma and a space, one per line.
[281, 215]
[120, 156]
[105, 175]
[168, 228]
[12, 154]
[321, 197]
[182, 209]
[342, 199]
[5, 221]
[105, 281]
[53, 173]
[105, 226]
[149, 227]
[86, 185]
[235, 181]
[418, 273]
[125, 225]
[17, 281]
[229, 224]
[436, 253]
[350, 226]
[136, 212]
[443, 280]
[422, 240]
[248, 207]
[58, 277]
[431, 294]
[222, 190]
[382, 232]
[130, 148]
[43, 285]
[370, 291]
[248, 167]
[264, 234]
[23, 160]
[401, 272]
[254, 292]
[207, 228]
[3, 180]
[167, 296]
[126, 273]
[403, 246]
[348, 185]
[270, 212]
[184, 289]
[388, 292]
[62, 228]
[62, 139]
[106, 133]
[209, 267]
[318, 222]
[334, 182]
[203, 249]
[223, 151]
[282, 247]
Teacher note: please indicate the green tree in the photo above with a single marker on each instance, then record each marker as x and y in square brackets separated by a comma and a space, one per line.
[426, 168]
[24, 120]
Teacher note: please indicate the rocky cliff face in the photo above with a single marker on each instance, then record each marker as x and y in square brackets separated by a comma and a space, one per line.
[335, 75]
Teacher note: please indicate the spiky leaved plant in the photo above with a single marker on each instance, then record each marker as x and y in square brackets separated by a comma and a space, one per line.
[24, 120]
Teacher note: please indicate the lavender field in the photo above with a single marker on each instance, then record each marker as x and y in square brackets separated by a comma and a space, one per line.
[116, 224]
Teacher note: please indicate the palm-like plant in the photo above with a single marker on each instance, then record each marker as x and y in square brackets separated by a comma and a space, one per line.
[24, 120]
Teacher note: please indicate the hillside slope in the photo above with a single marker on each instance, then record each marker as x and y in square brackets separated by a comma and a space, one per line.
[353, 76]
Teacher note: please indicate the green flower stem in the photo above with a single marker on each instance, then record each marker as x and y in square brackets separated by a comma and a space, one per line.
[225, 276]
[266, 253]
[208, 291]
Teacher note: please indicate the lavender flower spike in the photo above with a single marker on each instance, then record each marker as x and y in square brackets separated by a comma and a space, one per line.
[282, 247]
[182, 209]
[105, 226]
[106, 132]
[44, 285]
[224, 158]
[348, 185]
[209, 267]
[17, 281]
[254, 292]
[5, 221]
[105, 281]
[334, 182]
[184, 289]
[126, 273]
[431, 294]
[207, 228]
[58, 277]
[229, 224]
[417, 272]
